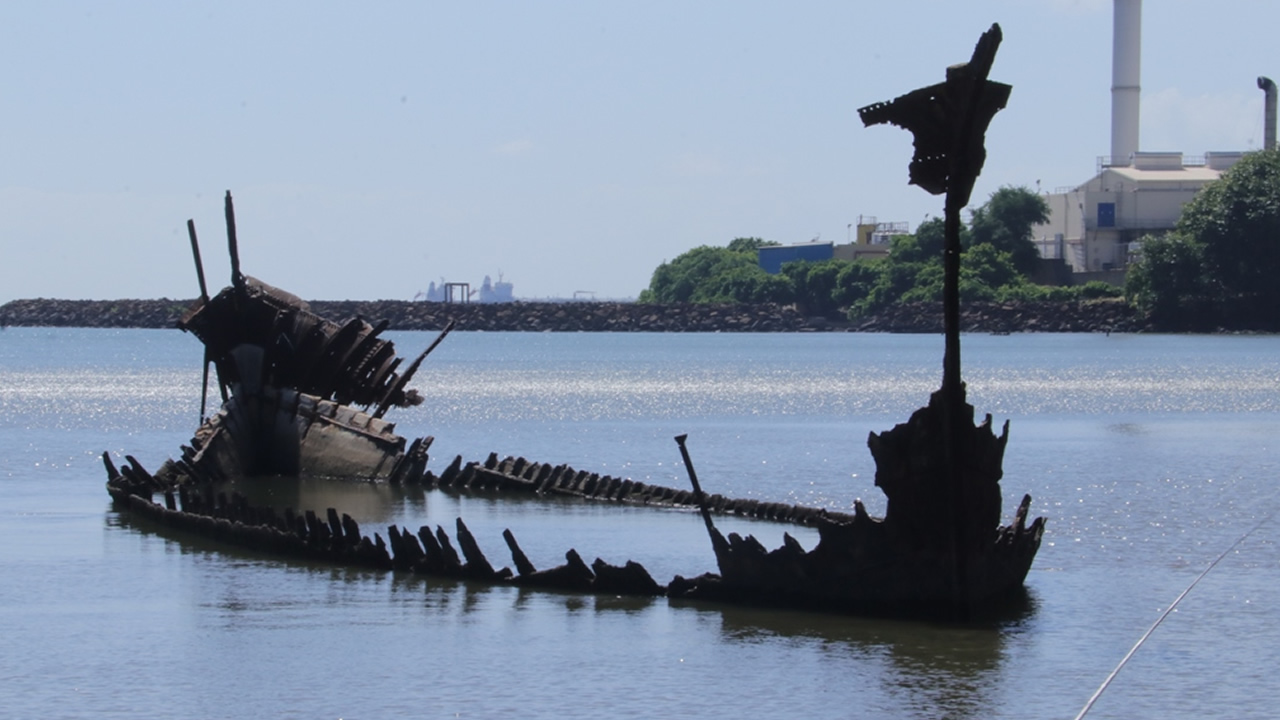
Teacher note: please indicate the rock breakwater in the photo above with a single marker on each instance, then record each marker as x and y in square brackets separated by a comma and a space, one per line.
[989, 317]
[42, 312]
[1088, 316]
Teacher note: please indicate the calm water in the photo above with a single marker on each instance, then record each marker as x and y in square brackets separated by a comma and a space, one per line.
[1149, 455]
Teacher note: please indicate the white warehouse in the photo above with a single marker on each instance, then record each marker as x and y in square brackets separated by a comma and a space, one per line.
[1094, 227]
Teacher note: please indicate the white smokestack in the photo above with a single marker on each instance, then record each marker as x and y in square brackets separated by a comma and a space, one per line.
[1268, 113]
[1126, 51]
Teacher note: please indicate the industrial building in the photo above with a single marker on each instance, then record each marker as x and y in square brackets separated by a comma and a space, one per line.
[872, 242]
[1096, 227]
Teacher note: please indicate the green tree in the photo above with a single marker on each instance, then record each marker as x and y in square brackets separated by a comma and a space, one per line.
[1097, 289]
[931, 237]
[748, 285]
[1169, 282]
[894, 279]
[749, 244]
[1219, 266]
[984, 271]
[992, 267]
[679, 281]
[907, 249]
[985, 274]
[1237, 222]
[855, 280]
[1005, 223]
[815, 284]
[716, 274]
[926, 244]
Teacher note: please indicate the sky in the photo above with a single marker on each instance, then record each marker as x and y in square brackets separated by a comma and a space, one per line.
[569, 147]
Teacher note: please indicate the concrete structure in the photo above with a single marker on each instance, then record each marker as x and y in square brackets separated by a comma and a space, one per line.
[873, 232]
[1126, 71]
[861, 251]
[1094, 227]
[873, 244]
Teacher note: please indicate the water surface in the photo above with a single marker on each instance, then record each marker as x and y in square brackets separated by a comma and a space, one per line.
[1150, 456]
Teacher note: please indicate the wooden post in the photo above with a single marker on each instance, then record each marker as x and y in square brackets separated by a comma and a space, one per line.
[387, 400]
[204, 298]
[237, 279]
[949, 121]
[195, 251]
[967, 156]
[717, 541]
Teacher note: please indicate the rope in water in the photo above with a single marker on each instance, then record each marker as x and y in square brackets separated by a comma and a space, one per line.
[1106, 683]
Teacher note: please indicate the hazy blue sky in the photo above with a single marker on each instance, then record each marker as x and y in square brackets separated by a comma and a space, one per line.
[374, 147]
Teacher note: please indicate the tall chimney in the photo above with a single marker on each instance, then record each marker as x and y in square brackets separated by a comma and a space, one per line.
[1268, 113]
[1126, 51]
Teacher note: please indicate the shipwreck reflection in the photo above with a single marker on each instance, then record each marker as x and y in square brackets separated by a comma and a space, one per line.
[365, 501]
[927, 665]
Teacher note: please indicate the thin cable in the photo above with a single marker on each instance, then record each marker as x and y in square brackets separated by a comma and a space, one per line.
[1106, 683]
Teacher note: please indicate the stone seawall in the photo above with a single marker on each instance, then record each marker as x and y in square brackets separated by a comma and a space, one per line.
[1072, 316]
[1089, 316]
[162, 313]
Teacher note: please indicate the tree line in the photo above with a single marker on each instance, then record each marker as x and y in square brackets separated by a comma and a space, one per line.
[998, 261]
[1219, 267]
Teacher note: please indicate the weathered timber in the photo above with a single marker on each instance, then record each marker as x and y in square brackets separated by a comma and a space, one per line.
[478, 566]
[518, 558]
[294, 384]
[939, 550]
[573, 576]
[451, 559]
[630, 579]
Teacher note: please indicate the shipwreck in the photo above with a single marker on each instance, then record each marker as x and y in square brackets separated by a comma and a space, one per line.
[304, 395]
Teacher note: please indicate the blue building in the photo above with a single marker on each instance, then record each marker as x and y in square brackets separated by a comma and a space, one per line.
[773, 257]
